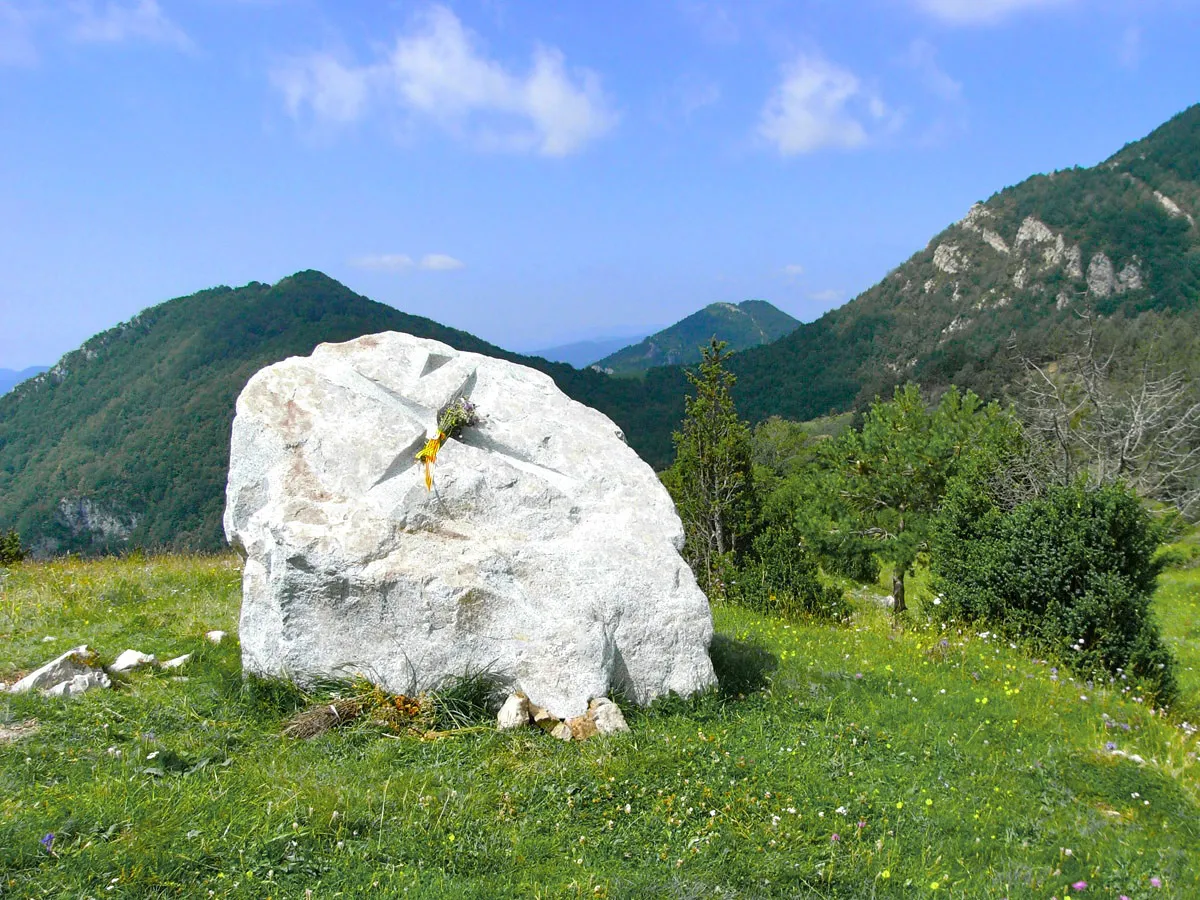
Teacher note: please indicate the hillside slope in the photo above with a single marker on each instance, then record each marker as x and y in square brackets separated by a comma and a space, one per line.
[125, 441]
[1012, 276]
[746, 324]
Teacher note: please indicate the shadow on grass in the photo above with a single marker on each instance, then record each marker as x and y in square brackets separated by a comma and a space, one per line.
[742, 667]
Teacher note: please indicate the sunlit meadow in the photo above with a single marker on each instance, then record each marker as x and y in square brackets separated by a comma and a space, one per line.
[837, 761]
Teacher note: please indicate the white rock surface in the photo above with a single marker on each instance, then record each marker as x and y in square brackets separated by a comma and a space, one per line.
[514, 713]
[1130, 279]
[1073, 262]
[1168, 204]
[177, 662]
[132, 659]
[214, 637]
[1101, 279]
[67, 675]
[547, 552]
[79, 684]
[608, 716]
[1033, 231]
[949, 258]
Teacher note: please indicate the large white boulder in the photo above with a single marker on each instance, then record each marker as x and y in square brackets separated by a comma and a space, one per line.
[547, 552]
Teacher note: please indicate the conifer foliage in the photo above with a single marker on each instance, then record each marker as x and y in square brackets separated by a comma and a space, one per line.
[711, 478]
[11, 550]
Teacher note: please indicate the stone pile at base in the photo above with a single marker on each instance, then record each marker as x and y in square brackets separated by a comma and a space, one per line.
[602, 717]
[546, 554]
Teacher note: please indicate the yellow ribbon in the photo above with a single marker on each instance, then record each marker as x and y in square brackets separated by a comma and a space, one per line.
[428, 455]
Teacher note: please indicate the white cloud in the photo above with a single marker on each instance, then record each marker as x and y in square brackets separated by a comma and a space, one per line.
[922, 58]
[712, 18]
[334, 92]
[402, 262]
[437, 74]
[693, 93]
[440, 262]
[384, 262]
[117, 22]
[793, 270]
[976, 12]
[818, 105]
[1129, 51]
[16, 35]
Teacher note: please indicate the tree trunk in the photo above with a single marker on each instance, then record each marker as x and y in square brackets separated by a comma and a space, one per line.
[898, 591]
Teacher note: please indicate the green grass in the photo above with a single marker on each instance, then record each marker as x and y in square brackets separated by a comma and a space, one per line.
[963, 765]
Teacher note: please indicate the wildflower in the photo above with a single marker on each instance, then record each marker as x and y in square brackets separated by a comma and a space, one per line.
[862, 823]
[1110, 746]
[1155, 882]
[836, 837]
[1079, 886]
[47, 842]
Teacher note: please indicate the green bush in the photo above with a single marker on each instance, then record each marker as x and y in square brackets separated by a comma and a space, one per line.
[10, 548]
[780, 577]
[1072, 570]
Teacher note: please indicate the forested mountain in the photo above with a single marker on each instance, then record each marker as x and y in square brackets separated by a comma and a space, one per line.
[125, 441]
[744, 325]
[1011, 278]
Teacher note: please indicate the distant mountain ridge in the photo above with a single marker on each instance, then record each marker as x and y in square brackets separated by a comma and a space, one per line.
[10, 378]
[581, 354]
[742, 325]
[125, 441]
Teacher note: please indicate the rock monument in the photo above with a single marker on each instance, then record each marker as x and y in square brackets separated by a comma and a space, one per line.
[545, 552]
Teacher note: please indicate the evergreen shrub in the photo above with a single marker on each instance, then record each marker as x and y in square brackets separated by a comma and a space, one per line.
[780, 577]
[1073, 570]
[11, 551]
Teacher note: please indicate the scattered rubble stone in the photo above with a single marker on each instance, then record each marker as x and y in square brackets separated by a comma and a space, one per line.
[132, 659]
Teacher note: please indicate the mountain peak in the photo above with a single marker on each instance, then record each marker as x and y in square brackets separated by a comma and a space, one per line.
[741, 325]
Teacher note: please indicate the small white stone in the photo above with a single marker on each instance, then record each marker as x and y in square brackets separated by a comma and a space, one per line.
[608, 716]
[514, 713]
[132, 659]
[177, 662]
[214, 637]
[79, 684]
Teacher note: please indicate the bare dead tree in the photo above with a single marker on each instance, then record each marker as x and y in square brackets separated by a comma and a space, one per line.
[1142, 428]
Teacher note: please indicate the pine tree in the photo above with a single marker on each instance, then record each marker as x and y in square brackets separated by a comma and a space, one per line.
[711, 478]
[10, 548]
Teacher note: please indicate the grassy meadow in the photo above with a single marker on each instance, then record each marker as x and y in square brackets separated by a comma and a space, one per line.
[835, 761]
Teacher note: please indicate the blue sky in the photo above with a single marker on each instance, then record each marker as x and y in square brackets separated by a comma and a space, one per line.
[537, 172]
